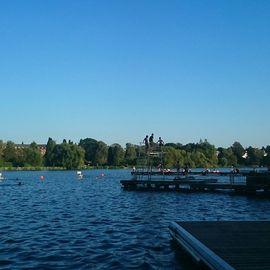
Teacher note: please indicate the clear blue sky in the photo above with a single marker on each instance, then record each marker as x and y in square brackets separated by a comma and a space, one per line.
[118, 70]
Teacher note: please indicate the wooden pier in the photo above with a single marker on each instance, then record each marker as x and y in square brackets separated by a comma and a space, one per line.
[250, 184]
[210, 185]
[225, 245]
[148, 176]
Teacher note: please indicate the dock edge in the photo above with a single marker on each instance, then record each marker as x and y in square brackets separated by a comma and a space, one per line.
[196, 249]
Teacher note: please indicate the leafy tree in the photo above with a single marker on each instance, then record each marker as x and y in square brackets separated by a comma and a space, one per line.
[90, 147]
[130, 154]
[200, 160]
[209, 157]
[57, 155]
[69, 156]
[267, 149]
[32, 155]
[226, 157]
[189, 147]
[173, 156]
[266, 156]
[115, 155]
[48, 157]
[223, 162]
[173, 145]
[10, 152]
[238, 151]
[73, 156]
[2, 146]
[254, 156]
[101, 154]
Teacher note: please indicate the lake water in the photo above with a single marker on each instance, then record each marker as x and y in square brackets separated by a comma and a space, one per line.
[62, 222]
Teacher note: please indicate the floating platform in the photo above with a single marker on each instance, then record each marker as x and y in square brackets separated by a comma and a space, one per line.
[255, 183]
[225, 245]
[175, 173]
[197, 185]
[212, 173]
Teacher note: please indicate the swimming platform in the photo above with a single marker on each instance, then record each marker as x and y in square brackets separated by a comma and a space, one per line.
[225, 245]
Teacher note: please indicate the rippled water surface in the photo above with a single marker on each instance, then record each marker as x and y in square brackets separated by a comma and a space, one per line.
[62, 222]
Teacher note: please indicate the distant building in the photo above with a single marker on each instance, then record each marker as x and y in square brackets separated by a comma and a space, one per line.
[41, 147]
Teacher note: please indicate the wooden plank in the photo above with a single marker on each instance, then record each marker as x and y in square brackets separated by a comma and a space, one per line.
[201, 253]
[242, 244]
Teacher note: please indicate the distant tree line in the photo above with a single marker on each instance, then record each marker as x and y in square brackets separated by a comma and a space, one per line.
[90, 152]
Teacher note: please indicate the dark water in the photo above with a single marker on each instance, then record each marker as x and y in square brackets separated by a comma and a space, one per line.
[66, 223]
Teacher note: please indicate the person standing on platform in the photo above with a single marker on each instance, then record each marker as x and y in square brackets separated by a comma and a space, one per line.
[151, 140]
[146, 143]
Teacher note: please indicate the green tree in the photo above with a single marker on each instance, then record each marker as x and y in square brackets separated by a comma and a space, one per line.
[238, 151]
[2, 146]
[190, 147]
[267, 149]
[173, 145]
[57, 156]
[48, 157]
[10, 153]
[226, 157]
[209, 154]
[69, 156]
[254, 156]
[200, 160]
[115, 155]
[266, 156]
[101, 154]
[173, 157]
[130, 154]
[90, 147]
[73, 156]
[32, 155]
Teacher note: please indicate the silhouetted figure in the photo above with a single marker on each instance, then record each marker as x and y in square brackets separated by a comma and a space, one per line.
[151, 140]
[146, 143]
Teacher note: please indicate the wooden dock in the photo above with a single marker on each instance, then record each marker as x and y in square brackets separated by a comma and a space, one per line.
[225, 245]
[175, 173]
[210, 185]
[250, 185]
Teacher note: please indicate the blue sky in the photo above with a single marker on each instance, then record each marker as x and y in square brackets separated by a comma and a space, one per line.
[118, 70]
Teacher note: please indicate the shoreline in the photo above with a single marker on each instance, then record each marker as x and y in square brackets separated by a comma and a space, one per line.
[4, 169]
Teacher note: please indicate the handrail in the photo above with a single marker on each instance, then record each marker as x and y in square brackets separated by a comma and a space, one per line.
[197, 249]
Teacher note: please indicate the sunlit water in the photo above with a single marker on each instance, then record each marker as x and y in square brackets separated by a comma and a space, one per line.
[62, 222]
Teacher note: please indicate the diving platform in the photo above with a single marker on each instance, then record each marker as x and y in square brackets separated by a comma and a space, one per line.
[225, 245]
[150, 175]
